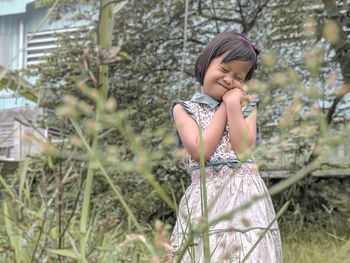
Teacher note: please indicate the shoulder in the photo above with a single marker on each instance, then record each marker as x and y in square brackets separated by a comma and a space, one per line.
[179, 107]
[182, 111]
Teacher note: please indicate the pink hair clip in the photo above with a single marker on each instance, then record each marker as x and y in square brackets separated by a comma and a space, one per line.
[256, 49]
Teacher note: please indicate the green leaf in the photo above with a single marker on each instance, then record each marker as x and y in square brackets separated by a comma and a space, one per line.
[124, 54]
[18, 84]
[64, 252]
[13, 236]
[119, 6]
[345, 248]
[7, 187]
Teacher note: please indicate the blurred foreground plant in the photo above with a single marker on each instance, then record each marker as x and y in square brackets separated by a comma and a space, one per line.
[53, 210]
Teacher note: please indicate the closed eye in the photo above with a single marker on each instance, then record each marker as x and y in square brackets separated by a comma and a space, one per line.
[224, 70]
[238, 78]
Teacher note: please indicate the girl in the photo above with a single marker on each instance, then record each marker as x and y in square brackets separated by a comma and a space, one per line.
[229, 127]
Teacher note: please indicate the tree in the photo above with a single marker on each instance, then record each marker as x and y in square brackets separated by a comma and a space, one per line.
[296, 33]
[147, 76]
[134, 144]
[307, 55]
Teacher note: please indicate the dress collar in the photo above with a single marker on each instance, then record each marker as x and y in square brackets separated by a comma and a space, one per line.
[205, 99]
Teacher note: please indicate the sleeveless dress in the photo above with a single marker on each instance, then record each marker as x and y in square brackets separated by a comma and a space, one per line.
[229, 184]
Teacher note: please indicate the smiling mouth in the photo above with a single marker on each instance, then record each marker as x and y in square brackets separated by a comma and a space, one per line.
[223, 86]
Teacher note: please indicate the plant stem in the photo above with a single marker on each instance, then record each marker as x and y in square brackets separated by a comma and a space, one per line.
[204, 204]
[104, 39]
[280, 212]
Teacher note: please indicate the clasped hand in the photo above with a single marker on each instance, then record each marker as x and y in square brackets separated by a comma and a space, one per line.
[236, 95]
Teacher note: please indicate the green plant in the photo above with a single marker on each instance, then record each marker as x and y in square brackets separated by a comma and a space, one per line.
[77, 201]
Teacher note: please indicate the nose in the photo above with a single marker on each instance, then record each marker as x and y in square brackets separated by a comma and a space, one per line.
[231, 82]
[228, 80]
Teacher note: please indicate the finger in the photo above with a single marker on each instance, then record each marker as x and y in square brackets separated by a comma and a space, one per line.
[242, 91]
[245, 95]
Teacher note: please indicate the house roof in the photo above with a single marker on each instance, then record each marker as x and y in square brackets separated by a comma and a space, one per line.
[12, 7]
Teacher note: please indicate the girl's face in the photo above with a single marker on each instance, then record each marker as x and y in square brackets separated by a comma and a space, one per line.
[221, 77]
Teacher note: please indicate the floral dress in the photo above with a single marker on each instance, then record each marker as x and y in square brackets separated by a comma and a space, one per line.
[229, 184]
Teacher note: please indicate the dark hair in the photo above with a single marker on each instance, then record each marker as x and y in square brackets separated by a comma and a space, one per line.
[238, 46]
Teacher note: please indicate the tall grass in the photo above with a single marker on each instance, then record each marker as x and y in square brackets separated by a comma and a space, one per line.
[49, 213]
[313, 244]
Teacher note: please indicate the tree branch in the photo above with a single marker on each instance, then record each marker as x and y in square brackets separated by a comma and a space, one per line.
[256, 12]
[216, 21]
[199, 7]
[223, 19]
[339, 47]
[243, 21]
[196, 41]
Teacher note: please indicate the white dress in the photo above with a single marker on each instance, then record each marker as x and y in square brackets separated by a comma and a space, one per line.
[227, 188]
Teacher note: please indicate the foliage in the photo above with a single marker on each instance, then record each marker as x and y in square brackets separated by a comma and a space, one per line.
[308, 69]
[142, 81]
[317, 201]
[135, 173]
[314, 244]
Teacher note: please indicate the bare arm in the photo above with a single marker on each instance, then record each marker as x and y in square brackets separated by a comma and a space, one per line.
[189, 133]
[242, 131]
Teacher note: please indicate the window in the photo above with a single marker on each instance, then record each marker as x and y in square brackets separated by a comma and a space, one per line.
[44, 42]
[6, 151]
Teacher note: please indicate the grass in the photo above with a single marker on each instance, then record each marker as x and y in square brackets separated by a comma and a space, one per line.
[314, 244]
[310, 244]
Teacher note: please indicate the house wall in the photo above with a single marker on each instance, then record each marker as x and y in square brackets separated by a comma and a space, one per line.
[31, 17]
[14, 6]
[9, 34]
[12, 15]
[14, 146]
[280, 162]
